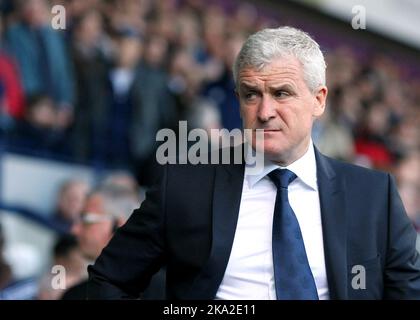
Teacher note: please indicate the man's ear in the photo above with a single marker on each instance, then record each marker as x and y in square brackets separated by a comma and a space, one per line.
[320, 101]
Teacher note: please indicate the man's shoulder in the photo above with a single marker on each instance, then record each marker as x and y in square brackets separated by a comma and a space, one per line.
[356, 172]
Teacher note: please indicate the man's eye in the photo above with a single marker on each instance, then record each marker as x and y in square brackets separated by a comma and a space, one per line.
[250, 95]
[281, 94]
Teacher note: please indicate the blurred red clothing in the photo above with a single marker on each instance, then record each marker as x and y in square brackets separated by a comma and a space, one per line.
[12, 88]
[375, 151]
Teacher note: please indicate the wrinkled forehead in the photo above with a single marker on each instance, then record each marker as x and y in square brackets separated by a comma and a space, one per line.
[285, 69]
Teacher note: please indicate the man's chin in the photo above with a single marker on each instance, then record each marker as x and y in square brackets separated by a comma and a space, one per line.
[269, 148]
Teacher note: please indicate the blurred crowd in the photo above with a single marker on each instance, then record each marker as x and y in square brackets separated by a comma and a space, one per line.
[85, 219]
[99, 90]
[373, 117]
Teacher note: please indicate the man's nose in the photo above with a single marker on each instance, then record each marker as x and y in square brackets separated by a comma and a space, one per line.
[266, 110]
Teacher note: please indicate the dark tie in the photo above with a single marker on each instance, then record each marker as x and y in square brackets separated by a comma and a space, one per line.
[292, 273]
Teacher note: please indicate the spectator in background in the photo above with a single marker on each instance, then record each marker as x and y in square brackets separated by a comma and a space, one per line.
[42, 57]
[372, 137]
[405, 137]
[408, 178]
[77, 8]
[123, 180]
[91, 52]
[245, 18]
[156, 53]
[331, 138]
[106, 209]
[70, 202]
[140, 105]
[222, 91]
[162, 19]
[115, 144]
[66, 254]
[37, 132]
[11, 92]
[128, 15]
[185, 83]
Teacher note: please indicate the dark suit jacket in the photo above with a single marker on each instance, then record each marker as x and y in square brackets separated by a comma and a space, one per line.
[188, 223]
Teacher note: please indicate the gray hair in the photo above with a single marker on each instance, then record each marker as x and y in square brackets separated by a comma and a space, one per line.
[119, 202]
[263, 47]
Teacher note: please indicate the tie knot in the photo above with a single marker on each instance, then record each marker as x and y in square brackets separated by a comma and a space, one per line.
[282, 177]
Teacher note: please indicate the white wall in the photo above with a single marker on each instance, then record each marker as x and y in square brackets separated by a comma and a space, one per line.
[34, 182]
[398, 19]
[28, 245]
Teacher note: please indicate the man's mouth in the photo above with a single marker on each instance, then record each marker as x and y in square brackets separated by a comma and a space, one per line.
[268, 130]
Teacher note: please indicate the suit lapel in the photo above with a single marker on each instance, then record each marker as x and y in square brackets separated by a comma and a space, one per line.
[227, 193]
[332, 201]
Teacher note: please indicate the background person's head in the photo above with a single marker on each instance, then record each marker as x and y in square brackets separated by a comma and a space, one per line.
[71, 199]
[234, 44]
[280, 81]
[66, 253]
[34, 12]
[408, 176]
[129, 50]
[156, 51]
[124, 181]
[105, 210]
[89, 28]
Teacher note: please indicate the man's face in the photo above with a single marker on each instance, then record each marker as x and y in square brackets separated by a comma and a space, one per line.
[277, 100]
[35, 12]
[94, 230]
[72, 200]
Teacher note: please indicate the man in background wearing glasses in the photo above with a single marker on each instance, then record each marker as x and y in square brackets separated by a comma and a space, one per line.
[105, 210]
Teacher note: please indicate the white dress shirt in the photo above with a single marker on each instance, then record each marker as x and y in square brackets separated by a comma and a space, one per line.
[249, 273]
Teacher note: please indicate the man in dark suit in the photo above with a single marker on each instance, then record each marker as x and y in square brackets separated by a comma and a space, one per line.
[304, 227]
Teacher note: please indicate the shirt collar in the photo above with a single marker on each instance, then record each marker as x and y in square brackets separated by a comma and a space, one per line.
[304, 168]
